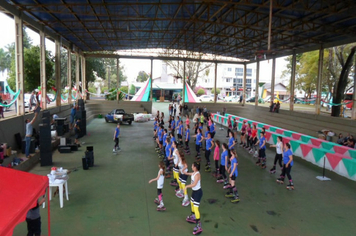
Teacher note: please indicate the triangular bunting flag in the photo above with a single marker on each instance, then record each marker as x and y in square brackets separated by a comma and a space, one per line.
[305, 149]
[350, 165]
[318, 154]
[296, 136]
[333, 159]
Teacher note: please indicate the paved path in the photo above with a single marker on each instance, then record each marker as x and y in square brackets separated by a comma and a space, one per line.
[114, 197]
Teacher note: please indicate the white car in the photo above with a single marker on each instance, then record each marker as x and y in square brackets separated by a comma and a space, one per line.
[206, 98]
[231, 99]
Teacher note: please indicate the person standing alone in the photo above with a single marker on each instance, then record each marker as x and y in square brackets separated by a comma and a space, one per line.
[116, 138]
[29, 131]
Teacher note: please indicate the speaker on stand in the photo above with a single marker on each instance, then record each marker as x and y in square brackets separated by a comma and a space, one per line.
[45, 144]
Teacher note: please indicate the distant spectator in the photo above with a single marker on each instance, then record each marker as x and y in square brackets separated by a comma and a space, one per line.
[32, 102]
[185, 108]
[340, 139]
[346, 139]
[241, 98]
[72, 116]
[351, 142]
[276, 107]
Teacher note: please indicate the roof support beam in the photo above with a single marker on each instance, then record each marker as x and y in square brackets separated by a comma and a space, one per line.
[103, 55]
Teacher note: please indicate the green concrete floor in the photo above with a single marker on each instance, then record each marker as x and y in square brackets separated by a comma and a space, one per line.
[114, 197]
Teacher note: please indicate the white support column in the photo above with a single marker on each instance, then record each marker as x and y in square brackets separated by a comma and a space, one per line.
[84, 79]
[244, 86]
[273, 82]
[151, 92]
[77, 75]
[43, 70]
[292, 81]
[69, 75]
[117, 72]
[215, 79]
[117, 78]
[19, 65]
[353, 111]
[319, 80]
[183, 94]
[257, 95]
[58, 72]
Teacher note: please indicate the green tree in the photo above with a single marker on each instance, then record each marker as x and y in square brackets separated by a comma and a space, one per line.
[132, 89]
[342, 53]
[217, 91]
[5, 60]
[142, 76]
[32, 78]
[193, 69]
[124, 89]
[200, 92]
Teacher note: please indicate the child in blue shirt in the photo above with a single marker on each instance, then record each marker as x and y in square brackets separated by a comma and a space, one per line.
[233, 173]
[262, 151]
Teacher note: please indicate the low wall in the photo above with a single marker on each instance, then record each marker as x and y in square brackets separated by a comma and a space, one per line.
[10, 126]
[293, 120]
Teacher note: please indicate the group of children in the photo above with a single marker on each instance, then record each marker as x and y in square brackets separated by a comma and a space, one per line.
[249, 141]
[173, 159]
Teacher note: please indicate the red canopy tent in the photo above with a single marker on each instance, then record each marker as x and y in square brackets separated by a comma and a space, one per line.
[19, 192]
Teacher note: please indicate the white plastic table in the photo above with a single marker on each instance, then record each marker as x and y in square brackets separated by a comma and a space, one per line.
[59, 183]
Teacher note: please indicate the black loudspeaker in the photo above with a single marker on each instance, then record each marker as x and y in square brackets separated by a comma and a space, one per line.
[85, 163]
[45, 138]
[81, 104]
[60, 130]
[32, 145]
[64, 149]
[46, 114]
[46, 158]
[90, 155]
[46, 120]
[18, 140]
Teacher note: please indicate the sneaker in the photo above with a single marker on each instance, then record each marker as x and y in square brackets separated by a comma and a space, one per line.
[191, 219]
[251, 151]
[229, 194]
[174, 184]
[220, 181]
[179, 194]
[227, 186]
[118, 149]
[207, 169]
[161, 207]
[197, 230]
[185, 202]
[290, 186]
[280, 180]
[168, 176]
[235, 200]
[114, 150]
[156, 201]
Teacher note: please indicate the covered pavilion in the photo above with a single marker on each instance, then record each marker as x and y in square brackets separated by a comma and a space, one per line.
[234, 32]
[241, 32]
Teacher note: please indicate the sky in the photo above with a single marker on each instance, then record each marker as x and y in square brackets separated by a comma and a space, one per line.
[132, 67]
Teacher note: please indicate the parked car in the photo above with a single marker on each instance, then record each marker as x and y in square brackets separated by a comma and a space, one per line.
[251, 99]
[232, 99]
[206, 98]
[119, 115]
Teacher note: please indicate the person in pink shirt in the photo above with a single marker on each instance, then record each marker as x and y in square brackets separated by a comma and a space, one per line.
[209, 121]
[187, 121]
[216, 157]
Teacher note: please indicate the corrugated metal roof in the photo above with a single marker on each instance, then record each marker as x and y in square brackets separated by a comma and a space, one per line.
[229, 28]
